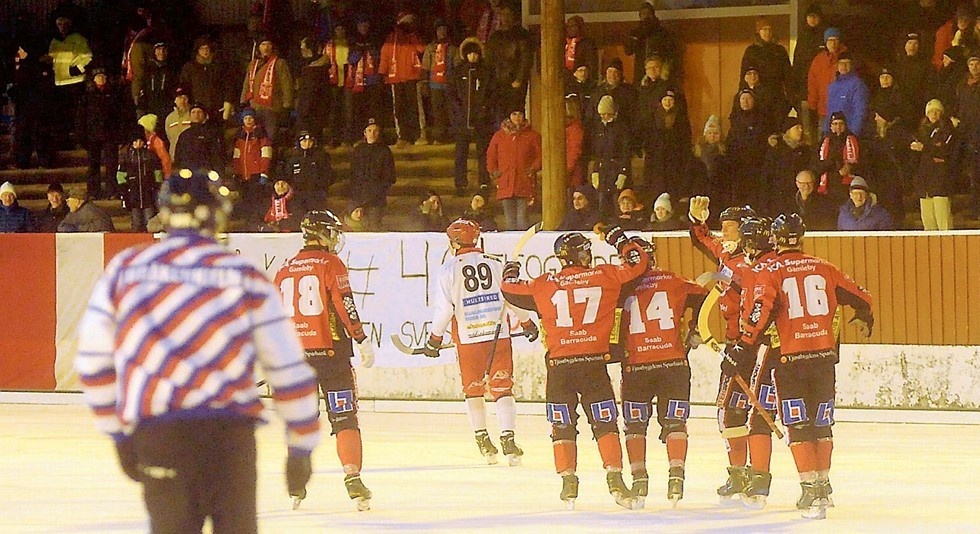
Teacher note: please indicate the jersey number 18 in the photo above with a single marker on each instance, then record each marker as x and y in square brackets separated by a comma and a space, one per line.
[310, 302]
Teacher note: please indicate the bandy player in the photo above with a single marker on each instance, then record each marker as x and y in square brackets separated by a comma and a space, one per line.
[467, 299]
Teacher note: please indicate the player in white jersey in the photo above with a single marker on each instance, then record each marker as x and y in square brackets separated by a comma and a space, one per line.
[468, 300]
[167, 356]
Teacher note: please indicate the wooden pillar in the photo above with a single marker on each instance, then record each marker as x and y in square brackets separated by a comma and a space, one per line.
[553, 179]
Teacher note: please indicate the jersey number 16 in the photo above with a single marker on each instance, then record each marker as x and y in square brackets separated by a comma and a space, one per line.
[814, 296]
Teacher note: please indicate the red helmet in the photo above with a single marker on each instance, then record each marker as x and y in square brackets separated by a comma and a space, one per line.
[463, 232]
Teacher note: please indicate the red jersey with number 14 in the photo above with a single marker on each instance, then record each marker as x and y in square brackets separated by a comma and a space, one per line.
[653, 317]
[315, 288]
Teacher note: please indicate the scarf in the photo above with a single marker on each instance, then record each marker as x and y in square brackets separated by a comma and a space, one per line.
[331, 54]
[570, 43]
[365, 67]
[439, 69]
[264, 97]
[127, 65]
[849, 149]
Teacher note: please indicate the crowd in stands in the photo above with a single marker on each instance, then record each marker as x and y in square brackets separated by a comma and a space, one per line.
[261, 110]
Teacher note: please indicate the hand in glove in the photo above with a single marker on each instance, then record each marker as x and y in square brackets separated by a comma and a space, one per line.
[595, 180]
[367, 352]
[615, 236]
[126, 451]
[620, 181]
[512, 270]
[226, 111]
[698, 209]
[694, 338]
[530, 330]
[864, 323]
[737, 359]
[299, 468]
[431, 347]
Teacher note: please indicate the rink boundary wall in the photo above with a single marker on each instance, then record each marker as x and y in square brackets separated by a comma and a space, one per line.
[698, 411]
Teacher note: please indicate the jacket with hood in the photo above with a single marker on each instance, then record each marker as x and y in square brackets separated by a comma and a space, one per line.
[515, 153]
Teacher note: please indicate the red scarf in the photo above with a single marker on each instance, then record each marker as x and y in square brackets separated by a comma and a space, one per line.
[850, 151]
[266, 87]
[127, 65]
[332, 54]
[365, 67]
[570, 43]
[439, 69]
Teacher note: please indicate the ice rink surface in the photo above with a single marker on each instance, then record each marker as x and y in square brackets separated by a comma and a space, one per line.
[59, 475]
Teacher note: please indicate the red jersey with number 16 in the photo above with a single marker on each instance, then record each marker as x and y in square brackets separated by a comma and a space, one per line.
[315, 289]
[653, 317]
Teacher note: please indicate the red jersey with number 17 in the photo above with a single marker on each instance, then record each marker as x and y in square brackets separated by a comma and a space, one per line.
[315, 289]
[653, 317]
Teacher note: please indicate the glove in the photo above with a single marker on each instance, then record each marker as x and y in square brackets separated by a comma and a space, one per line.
[864, 323]
[431, 347]
[694, 339]
[126, 451]
[616, 237]
[367, 352]
[226, 111]
[698, 209]
[620, 181]
[595, 180]
[530, 330]
[512, 270]
[736, 359]
[298, 471]
[120, 177]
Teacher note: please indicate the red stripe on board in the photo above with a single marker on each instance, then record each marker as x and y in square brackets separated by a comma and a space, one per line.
[28, 314]
[113, 244]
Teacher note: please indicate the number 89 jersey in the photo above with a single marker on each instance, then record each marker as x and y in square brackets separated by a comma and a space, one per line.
[468, 296]
[315, 289]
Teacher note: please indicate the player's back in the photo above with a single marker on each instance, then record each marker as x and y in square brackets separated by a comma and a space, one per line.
[653, 316]
[305, 283]
[471, 282]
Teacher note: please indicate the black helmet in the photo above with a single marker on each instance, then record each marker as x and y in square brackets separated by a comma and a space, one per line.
[195, 201]
[756, 234]
[573, 248]
[788, 230]
[737, 213]
[322, 225]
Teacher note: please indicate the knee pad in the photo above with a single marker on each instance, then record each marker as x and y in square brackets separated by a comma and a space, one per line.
[636, 428]
[474, 389]
[604, 415]
[560, 432]
[341, 410]
[801, 432]
[673, 430]
[636, 412]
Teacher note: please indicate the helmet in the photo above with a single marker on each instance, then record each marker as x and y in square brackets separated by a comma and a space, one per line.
[788, 230]
[195, 201]
[736, 213]
[463, 233]
[573, 248]
[323, 226]
[647, 247]
[756, 235]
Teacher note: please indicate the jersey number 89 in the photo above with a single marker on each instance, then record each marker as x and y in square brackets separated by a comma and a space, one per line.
[479, 277]
[309, 301]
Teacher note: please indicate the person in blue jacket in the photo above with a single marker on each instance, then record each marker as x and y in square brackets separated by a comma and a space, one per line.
[861, 211]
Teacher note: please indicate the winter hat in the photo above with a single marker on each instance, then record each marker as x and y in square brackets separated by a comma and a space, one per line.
[198, 105]
[831, 33]
[762, 22]
[606, 105]
[148, 122]
[615, 63]
[470, 45]
[586, 191]
[628, 193]
[304, 134]
[8, 187]
[790, 122]
[845, 55]
[935, 103]
[203, 40]
[912, 36]
[440, 23]
[98, 70]
[182, 91]
[972, 54]
[713, 124]
[859, 183]
[750, 68]
[663, 201]
[404, 17]
[247, 112]
[161, 44]
[837, 116]
[886, 70]
[78, 193]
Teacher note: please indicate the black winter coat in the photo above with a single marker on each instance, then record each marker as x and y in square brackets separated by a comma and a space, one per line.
[199, 147]
[773, 63]
[372, 174]
[159, 90]
[469, 91]
[308, 171]
[934, 176]
[100, 114]
[140, 168]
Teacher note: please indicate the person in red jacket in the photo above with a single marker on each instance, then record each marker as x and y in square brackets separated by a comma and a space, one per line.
[250, 161]
[823, 71]
[401, 68]
[513, 160]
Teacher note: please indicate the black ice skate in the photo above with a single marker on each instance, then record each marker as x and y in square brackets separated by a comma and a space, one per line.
[510, 449]
[487, 448]
[757, 489]
[641, 486]
[675, 485]
[737, 478]
[358, 492]
[811, 504]
[617, 488]
[569, 490]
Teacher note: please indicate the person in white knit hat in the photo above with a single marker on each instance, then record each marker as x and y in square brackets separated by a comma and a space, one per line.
[13, 216]
[662, 219]
[936, 143]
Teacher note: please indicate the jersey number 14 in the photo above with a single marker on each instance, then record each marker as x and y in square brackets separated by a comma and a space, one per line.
[657, 310]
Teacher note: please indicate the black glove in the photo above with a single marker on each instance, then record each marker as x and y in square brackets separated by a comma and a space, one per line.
[864, 322]
[431, 347]
[530, 330]
[512, 270]
[616, 237]
[299, 468]
[737, 359]
[126, 451]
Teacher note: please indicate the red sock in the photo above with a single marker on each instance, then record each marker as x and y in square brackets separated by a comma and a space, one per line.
[611, 450]
[636, 450]
[825, 449]
[349, 448]
[738, 450]
[760, 450]
[805, 456]
[565, 456]
[677, 448]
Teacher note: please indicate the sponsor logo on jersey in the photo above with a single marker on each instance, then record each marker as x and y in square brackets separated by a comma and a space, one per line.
[678, 409]
[343, 282]
[636, 412]
[558, 414]
[767, 397]
[604, 411]
[480, 299]
[738, 401]
[794, 411]
[825, 414]
[340, 401]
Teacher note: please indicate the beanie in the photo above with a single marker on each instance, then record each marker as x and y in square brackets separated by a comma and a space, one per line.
[790, 122]
[859, 183]
[8, 187]
[628, 193]
[606, 105]
[148, 122]
[713, 124]
[78, 193]
[831, 33]
[615, 63]
[762, 22]
[935, 103]
[663, 201]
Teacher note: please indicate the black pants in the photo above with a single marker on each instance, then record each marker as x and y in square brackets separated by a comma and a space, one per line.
[404, 99]
[102, 153]
[463, 136]
[580, 380]
[194, 469]
[32, 132]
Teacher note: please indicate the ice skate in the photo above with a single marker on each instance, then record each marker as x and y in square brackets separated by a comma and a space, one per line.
[487, 448]
[358, 492]
[810, 503]
[617, 488]
[298, 499]
[675, 485]
[641, 486]
[737, 478]
[569, 490]
[510, 449]
[827, 497]
[756, 490]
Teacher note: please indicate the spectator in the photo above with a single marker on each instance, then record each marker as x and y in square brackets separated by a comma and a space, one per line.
[438, 61]
[283, 215]
[809, 41]
[622, 93]
[651, 38]
[935, 141]
[308, 170]
[952, 73]
[514, 159]
[47, 220]
[786, 157]
[579, 48]
[768, 100]
[84, 215]
[354, 220]
[710, 170]
[208, 81]
[610, 167]
[137, 50]
[963, 24]
[886, 160]
[583, 216]
[13, 216]
[139, 175]
[575, 159]
[372, 175]
[510, 57]
[251, 160]
[148, 124]
[914, 73]
[816, 210]
[429, 216]
[156, 96]
[339, 114]
[100, 122]
[823, 71]
[480, 213]
[747, 144]
[469, 92]
[966, 119]
[838, 154]
[669, 149]
[268, 87]
[890, 100]
[313, 87]
[579, 88]
[651, 89]
[179, 119]
[480, 18]
[861, 211]
[364, 83]
[200, 146]
[631, 214]
[770, 58]
[848, 94]
[401, 67]
[32, 93]
[70, 55]
[662, 219]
